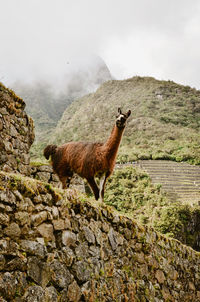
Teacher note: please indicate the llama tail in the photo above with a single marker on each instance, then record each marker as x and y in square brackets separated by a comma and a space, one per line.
[49, 151]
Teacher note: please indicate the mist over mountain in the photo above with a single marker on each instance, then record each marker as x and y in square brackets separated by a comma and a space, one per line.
[47, 98]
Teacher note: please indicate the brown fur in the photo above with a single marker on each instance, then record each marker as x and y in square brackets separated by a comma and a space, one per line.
[88, 159]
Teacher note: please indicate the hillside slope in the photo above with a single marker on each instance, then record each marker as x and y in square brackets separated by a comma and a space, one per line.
[164, 124]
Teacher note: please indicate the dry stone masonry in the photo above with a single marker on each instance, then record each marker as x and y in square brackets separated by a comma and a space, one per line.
[16, 133]
[45, 173]
[55, 246]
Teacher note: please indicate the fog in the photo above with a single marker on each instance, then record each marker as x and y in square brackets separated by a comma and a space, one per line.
[52, 39]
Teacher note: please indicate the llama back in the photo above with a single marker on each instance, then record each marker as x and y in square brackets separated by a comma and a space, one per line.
[80, 157]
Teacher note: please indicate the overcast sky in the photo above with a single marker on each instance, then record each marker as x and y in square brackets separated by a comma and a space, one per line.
[43, 38]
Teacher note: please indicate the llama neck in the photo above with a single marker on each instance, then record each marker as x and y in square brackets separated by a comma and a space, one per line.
[112, 144]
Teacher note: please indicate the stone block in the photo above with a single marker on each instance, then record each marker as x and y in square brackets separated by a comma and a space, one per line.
[46, 230]
[13, 230]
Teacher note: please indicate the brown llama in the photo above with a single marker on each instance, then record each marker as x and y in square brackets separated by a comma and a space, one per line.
[88, 160]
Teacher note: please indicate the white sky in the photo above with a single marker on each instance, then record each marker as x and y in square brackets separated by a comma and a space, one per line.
[159, 38]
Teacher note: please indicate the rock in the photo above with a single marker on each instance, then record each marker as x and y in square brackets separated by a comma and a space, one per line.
[38, 199]
[15, 127]
[16, 264]
[82, 271]
[40, 240]
[173, 275]
[13, 230]
[82, 250]
[59, 224]
[51, 294]
[47, 199]
[1, 124]
[74, 292]
[160, 276]
[43, 176]
[8, 247]
[192, 286]
[112, 239]
[105, 227]
[139, 257]
[39, 271]
[94, 251]
[68, 238]
[45, 168]
[7, 197]
[46, 230]
[39, 218]
[55, 212]
[2, 262]
[89, 235]
[34, 293]
[34, 248]
[67, 256]
[4, 219]
[25, 205]
[22, 218]
[60, 274]
[7, 286]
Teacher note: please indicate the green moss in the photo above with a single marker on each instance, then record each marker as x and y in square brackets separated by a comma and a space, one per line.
[38, 163]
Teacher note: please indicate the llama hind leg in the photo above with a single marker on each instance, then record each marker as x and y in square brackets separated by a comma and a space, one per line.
[94, 187]
[65, 180]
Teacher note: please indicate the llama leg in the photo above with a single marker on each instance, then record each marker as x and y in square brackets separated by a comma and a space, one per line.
[94, 187]
[102, 185]
[66, 179]
[69, 178]
[63, 180]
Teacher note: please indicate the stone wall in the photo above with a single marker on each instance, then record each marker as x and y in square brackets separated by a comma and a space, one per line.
[56, 246]
[45, 173]
[16, 133]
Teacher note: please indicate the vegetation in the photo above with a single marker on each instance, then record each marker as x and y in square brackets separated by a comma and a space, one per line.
[130, 191]
[165, 119]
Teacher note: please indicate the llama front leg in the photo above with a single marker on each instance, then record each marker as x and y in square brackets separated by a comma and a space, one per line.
[63, 180]
[102, 185]
[94, 187]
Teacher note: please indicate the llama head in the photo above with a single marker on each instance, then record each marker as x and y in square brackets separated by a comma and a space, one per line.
[122, 118]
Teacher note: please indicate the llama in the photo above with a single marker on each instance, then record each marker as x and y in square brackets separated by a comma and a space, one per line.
[88, 160]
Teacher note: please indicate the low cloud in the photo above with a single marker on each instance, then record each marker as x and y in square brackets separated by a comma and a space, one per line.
[49, 39]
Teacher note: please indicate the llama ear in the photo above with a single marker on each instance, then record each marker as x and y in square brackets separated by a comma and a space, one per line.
[119, 110]
[128, 113]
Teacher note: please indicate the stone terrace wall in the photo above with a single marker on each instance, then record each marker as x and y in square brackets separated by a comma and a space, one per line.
[16, 133]
[45, 173]
[55, 246]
